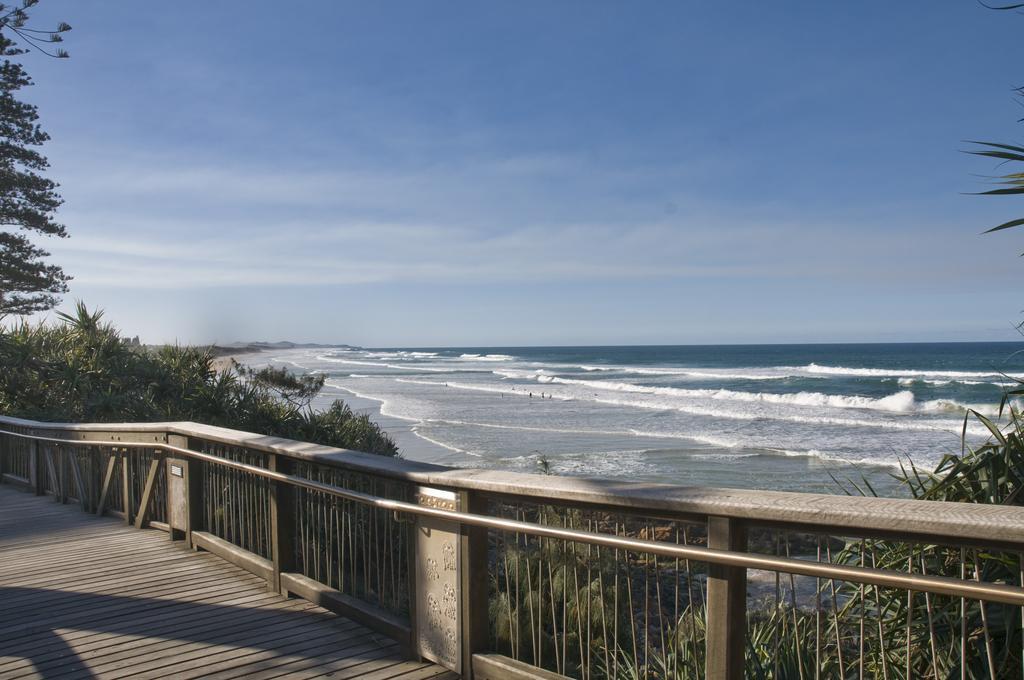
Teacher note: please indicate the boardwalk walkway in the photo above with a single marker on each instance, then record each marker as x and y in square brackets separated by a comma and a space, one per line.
[88, 597]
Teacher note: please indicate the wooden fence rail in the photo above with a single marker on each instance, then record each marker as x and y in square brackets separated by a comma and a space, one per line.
[507, 575]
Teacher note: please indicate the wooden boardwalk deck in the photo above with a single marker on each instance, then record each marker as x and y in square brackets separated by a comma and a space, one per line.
[89, 597]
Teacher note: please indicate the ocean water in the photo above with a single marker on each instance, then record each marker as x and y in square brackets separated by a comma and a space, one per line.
[792, 417]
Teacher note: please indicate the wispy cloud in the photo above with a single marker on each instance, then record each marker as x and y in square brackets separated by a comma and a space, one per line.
[165, 222]
[369, 253]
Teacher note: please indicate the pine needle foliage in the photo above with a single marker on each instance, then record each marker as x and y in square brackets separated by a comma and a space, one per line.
[28, 199]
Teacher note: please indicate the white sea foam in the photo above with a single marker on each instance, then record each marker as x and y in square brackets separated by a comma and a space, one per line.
[410, 367]
[695, 373]
[951, 427]
[792, 453]
[386, 411]
[722, 456]
[654, 400]
[585, 431]
[910, 382]
[767, 450]
[474, 387]
[837, 458]
[899, 402]
[829, 424]
[438, 442]
[681, 436]
[399, 355]
[813, 368]
[282, 360]
[522, 375]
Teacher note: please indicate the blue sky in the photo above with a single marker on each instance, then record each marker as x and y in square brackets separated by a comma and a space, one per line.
[465, 173]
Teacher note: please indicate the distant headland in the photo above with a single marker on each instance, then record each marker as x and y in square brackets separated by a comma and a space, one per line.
[233, 348]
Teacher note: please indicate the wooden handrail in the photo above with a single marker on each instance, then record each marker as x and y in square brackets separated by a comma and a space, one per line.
[952, 523]
[939, 585]
[728, 513]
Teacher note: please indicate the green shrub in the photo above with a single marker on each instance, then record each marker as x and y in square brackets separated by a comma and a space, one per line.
[81, 370]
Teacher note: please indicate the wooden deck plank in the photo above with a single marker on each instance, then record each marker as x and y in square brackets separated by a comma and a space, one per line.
[87, 596]
[108, 645]
[345, 663]
[239, 649]
[96, 581]
[81, 608]
[94, 576]
[358, 641]
[85, 559]
[85, 545]
[168, 649]
[100, 603]
[43, 650]
[91, 608]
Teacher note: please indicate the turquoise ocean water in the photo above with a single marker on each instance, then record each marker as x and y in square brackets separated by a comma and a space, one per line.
[754, 416]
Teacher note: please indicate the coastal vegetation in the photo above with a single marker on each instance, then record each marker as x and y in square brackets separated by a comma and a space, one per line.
[81, 369]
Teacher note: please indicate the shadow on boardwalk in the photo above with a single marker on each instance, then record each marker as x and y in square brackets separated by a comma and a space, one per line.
[87, 597]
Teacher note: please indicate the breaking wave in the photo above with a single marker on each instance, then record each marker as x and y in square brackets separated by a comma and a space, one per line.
[899, 402]
[816, 369]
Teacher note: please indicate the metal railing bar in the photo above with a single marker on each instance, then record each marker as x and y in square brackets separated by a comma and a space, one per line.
[891, 518]
[939, 585]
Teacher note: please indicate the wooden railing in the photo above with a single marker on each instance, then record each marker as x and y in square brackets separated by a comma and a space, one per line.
[505, 575]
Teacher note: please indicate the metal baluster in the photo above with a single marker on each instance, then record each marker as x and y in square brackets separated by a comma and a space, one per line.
[792, 594]
[881, 634]
[579, 612]
[647, 608]
[661, 618]
[615, 618]
[931, 624]
[677, 653]
[604, 614]
[863, 615]
[989, 654]
[534, 628]
[512, 632]
[632, 609]
[817, 617]
[910, 613]
[835, 617]
[963, 616]
[590, 600]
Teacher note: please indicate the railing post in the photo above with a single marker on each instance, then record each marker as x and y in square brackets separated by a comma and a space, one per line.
[60, 462]
[177, 478]
[186, 491]
[445, 607]
[473, 582]
[282, 521]
[37, 468]
[726, 603]
[197, 500]
[126, 486]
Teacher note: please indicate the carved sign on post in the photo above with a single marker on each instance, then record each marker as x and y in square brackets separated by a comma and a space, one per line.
[437, 582]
